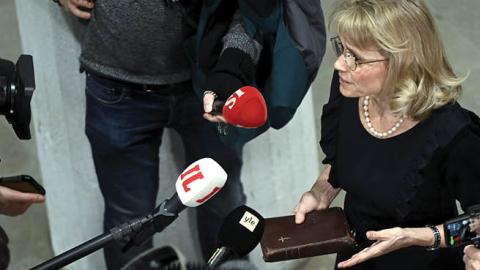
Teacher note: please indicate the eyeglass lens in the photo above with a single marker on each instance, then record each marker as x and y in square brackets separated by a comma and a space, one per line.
[350, 60]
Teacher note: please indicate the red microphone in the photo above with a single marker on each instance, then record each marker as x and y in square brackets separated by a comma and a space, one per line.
[246, 108]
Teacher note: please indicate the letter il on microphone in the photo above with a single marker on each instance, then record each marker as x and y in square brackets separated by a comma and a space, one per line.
[200, 181]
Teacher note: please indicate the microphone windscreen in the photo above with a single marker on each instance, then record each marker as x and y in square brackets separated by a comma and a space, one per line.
[246, 108]
[241, 230]
[200, 181]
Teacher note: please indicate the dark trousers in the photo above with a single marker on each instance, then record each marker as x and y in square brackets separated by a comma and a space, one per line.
[124, 126]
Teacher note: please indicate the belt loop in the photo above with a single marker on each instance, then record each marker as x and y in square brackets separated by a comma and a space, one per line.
[146, 89]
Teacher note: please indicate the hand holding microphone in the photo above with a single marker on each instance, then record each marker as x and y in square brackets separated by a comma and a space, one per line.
[245, 108]
[471, 257]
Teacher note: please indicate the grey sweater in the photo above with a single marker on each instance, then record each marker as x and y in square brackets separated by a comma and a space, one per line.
[139, 41]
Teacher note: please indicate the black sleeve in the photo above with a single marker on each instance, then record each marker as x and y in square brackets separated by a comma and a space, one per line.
[329, 127]
[233, 70]
[463, 166]
[236, 63]
[329, 121]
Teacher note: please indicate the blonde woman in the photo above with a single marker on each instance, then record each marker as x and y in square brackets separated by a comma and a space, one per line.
[395, 138]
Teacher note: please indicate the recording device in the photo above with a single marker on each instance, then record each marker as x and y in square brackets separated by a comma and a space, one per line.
[22, 183]
[464, 229]
[245, 108]
[17, 83]
[195, 185]
[239, 234]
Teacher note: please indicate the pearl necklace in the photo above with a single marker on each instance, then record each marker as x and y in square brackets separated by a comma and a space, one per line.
[371, 129]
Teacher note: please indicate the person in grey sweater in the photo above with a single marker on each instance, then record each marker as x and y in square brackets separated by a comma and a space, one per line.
[137, 84]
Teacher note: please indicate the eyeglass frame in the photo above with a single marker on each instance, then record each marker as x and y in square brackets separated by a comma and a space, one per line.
[347, 54]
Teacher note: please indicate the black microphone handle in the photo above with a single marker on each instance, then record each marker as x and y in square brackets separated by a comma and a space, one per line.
[217, 107]
[115, 234]
[163, 216]
[144, 228]
[173, 205]
[75, 253]
[219, 257]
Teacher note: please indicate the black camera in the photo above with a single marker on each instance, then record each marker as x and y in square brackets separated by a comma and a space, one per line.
[17, 83]
[464, 229]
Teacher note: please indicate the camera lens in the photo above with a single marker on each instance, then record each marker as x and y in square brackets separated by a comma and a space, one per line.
[17, 84]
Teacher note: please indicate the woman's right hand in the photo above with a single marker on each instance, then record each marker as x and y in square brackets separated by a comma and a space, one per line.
[319, 197]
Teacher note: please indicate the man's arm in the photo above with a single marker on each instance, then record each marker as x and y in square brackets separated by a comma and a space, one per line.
[235, 67]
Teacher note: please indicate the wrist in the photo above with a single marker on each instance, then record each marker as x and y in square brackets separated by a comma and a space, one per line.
[435, 237]
[420, 236]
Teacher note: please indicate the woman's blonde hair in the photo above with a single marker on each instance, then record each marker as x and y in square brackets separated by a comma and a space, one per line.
[418, 71]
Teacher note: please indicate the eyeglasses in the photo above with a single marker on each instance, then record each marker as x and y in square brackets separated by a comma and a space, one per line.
[350, 59]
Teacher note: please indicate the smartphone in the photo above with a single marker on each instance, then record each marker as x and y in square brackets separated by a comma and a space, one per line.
[22, 183]
[461, 231]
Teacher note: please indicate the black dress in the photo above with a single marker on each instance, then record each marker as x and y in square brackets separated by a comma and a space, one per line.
[409, 180]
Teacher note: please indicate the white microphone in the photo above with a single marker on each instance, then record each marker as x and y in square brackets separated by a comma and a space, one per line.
[195, 185]
[200, 181]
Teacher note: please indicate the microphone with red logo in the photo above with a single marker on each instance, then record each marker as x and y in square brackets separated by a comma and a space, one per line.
[245, 108]
[239, 234]
[195, 185]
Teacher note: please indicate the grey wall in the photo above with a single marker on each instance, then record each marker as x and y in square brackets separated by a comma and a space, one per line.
[279, 167]
[29, 234]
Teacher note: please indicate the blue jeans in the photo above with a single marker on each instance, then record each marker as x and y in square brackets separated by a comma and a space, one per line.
[124, 127]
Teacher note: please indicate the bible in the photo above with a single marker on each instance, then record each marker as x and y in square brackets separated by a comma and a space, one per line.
[323, 232]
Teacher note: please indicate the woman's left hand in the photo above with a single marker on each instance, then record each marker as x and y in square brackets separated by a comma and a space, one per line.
[387, 240]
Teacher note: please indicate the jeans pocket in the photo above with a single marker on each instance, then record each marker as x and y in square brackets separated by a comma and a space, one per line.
[103, 93]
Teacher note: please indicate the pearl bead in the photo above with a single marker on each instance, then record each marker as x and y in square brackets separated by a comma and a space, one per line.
[370, 125]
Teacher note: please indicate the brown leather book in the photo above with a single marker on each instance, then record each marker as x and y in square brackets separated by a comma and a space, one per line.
[323, 232]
